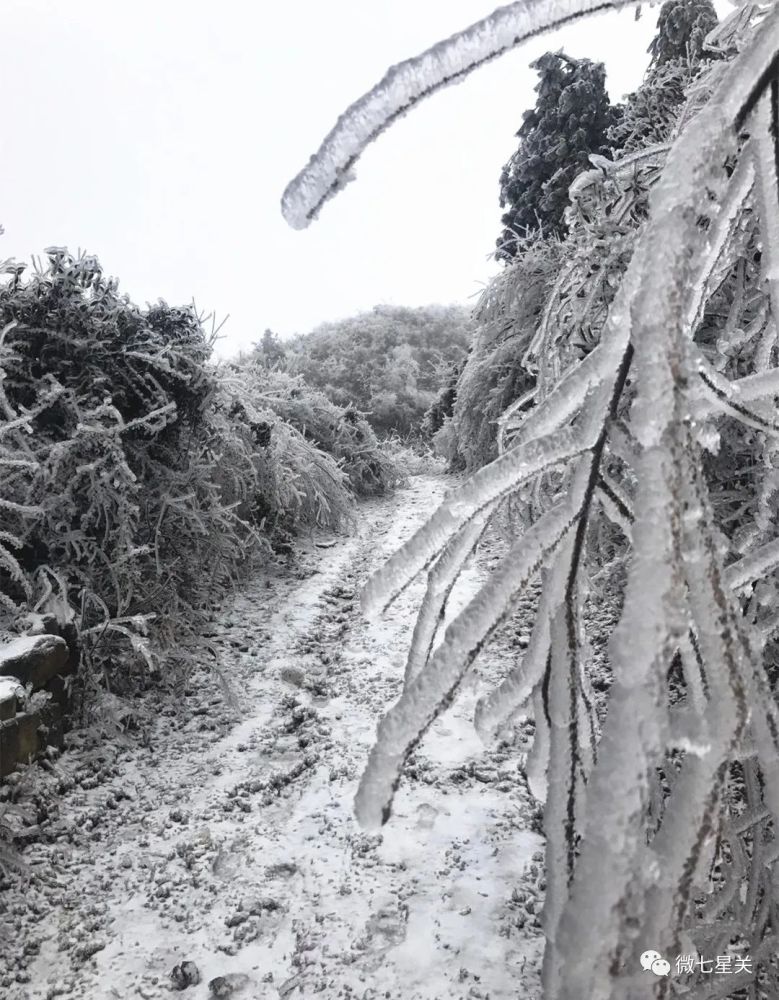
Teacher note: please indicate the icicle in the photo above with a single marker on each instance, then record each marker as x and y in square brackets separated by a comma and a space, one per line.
[433, 688]
[409, 82]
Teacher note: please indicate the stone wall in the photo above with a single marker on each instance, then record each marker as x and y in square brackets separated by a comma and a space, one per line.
[34, 698]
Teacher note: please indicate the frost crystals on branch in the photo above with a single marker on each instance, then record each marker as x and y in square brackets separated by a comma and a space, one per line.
[330, 168]
[662, 813]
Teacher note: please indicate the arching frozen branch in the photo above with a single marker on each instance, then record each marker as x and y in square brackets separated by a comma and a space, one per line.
[406, 84]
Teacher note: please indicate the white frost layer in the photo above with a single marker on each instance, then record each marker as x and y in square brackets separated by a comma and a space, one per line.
[10, 687]
[23, 645]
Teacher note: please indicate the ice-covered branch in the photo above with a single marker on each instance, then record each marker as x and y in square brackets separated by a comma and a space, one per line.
[441, 579]
[434, 686]
[766, 129]
[406, 84]
[488, 484]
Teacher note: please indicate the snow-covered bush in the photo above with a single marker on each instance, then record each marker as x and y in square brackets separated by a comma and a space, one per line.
[386, 363]
[108, 499]
[341, 432]
[139, 481]
[655, 416]
[494, 374]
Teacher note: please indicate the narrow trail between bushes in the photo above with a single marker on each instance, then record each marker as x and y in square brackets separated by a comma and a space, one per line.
[226, 839]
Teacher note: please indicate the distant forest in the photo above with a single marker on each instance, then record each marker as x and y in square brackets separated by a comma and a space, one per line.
[388, 363]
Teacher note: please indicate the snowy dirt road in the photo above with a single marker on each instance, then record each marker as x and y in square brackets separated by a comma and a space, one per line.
[226, 837]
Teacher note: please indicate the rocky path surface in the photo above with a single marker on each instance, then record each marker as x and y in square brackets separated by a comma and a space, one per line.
[221, 847]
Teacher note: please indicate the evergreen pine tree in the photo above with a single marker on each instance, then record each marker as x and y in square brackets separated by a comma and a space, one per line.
[682, 26]
[569, 122]
[270, 350]
[648, 115]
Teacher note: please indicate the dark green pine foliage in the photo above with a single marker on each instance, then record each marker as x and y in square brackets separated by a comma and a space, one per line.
[568, 123]
[270, 351]
[649, 115]
[682, 27]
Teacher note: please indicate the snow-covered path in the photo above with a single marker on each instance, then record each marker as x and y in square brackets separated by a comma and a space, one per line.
[228, 840]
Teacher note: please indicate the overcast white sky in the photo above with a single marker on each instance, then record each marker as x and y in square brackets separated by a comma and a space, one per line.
[160, 134]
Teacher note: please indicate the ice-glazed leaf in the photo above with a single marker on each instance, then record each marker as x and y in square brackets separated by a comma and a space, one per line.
[753, 566]
[490, 483]
[608, 876]
[441, 579]
[406, 84]
[765, 122]
[434, 686]
[495, 709]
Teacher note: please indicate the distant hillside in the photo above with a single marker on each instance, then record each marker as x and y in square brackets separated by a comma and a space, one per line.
[389, 362]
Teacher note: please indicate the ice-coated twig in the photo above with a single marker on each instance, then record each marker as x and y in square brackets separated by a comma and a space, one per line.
[406, 84]
[739, 189]
[537, 765]
[754, 565]
[690, 810]
[434, 686]
[508, 413]
[567, 397]
[441, 579]
[490, 483]
[496, 708]
[759, 386]
[725, 395]
[765, 121]
[633, 737]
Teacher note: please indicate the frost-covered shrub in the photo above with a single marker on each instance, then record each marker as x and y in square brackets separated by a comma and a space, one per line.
[494, 374]
[442, 406]
[341, 432]
[386, 363]
[110, 506]
[299, 483]
[139, 481]
[655, 444]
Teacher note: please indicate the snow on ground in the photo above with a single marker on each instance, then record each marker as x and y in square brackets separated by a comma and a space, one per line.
[225, 836]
